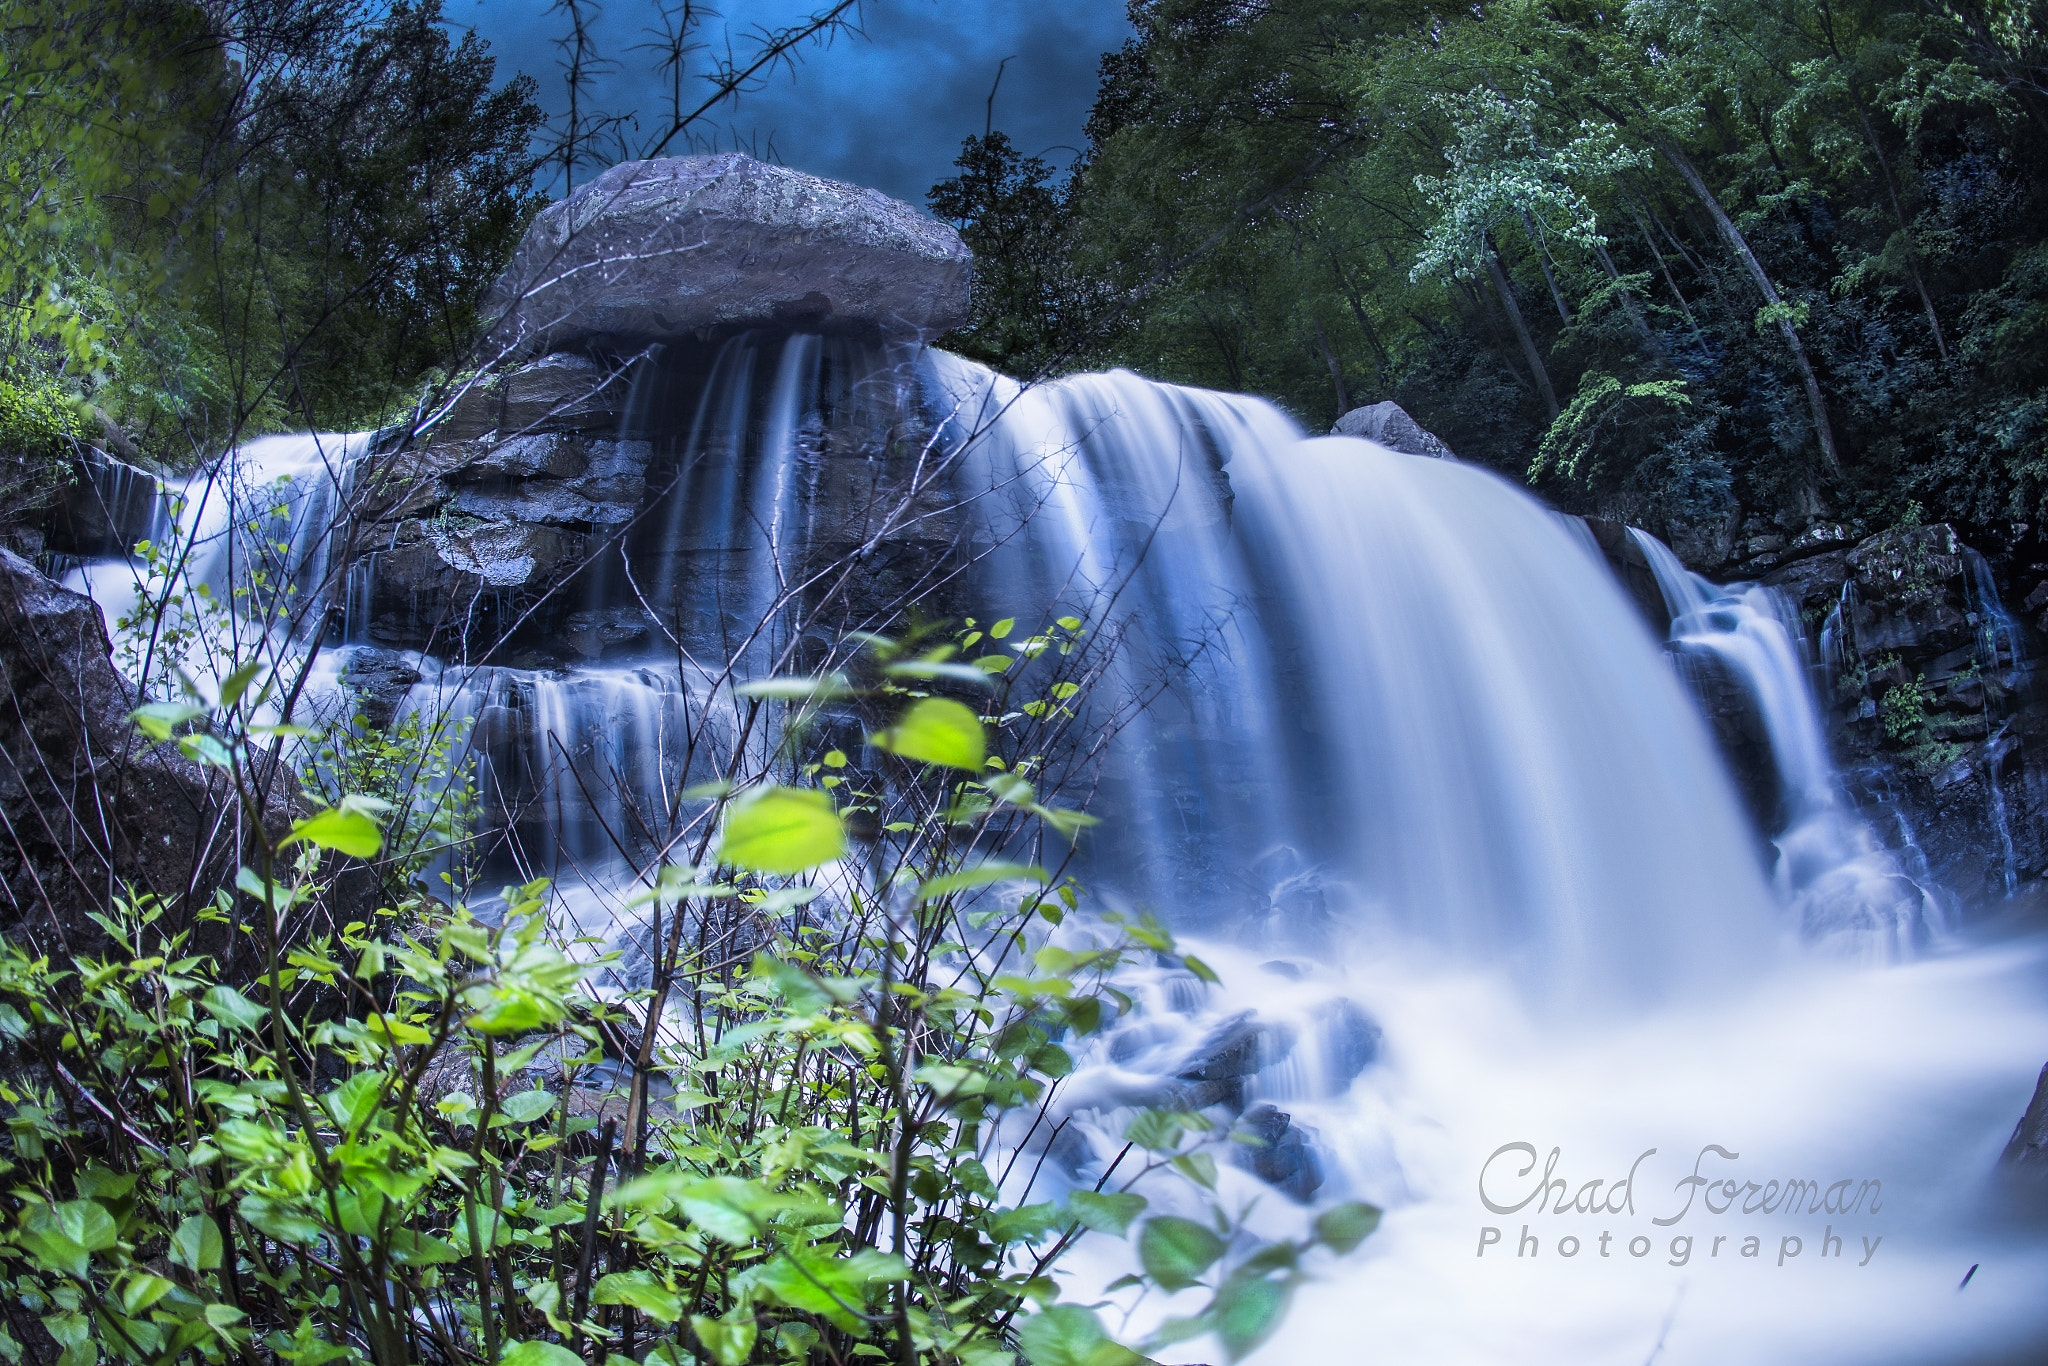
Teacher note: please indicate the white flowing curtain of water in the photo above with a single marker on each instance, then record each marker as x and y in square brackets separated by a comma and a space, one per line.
[1449, 710]
[256, 531]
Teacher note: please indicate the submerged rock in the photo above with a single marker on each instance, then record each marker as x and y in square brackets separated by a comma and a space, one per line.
[657, 250]
[1278, 1153]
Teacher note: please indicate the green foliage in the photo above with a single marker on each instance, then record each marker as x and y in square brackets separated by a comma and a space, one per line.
[211, 210]
[418, 768]
[38, 418]
[346, 1159]
[1647, 256]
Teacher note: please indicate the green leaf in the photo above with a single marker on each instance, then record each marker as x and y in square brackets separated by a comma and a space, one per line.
[87, 1224]
[277, 1220]
[1024, 1223]
[729, 1341]
[196, 1244]
[526, 1106]
[253, 886]
[1345, 1226]
[980, 875]
[1111, 1213]
[232, 1008]
[1157, 1131]
[1175, 1251]
[538, 1354]
[141, 1290]
[348, 831]
[806, 992]
[1071, 1335]
[1199, 1168]
[933, 669]
[235, 684]
[159, 719]
[1247, 1310]
[783, 830]
[939, 731]
[205, 749]
[640, 1290]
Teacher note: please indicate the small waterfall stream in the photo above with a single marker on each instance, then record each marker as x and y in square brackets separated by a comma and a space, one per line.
[1838, 877]
[1395, 746]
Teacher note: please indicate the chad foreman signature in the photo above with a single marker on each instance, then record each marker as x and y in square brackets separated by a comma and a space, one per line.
[1513, 1180]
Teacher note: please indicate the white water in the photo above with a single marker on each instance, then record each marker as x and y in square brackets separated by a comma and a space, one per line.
[1419, 745]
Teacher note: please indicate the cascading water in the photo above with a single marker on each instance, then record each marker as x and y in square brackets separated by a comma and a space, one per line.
[1415, 689]
[1839, 879]
[1474, 871]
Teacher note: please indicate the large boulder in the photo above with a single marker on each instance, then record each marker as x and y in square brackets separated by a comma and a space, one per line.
[88, 807]
[655, 251]
[1389, 424]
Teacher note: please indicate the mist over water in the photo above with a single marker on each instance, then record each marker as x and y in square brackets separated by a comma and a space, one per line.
[1441, 810]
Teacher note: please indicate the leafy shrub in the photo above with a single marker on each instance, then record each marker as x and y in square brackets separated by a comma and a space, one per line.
[350, 1159]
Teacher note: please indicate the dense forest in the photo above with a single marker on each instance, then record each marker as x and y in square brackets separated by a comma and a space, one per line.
[1677, 263]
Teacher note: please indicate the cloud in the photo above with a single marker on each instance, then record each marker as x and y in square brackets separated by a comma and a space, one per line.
[887, 110]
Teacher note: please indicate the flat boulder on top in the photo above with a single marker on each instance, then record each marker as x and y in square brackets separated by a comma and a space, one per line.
[658, 250]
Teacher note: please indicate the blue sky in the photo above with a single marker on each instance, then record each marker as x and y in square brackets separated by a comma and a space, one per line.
[887, 110]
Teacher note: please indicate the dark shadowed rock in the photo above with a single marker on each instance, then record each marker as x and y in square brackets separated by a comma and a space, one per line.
[87, 806]
[379, 680]
[2028, 1150]
[658, 250]
[1389, 424]
[1278, 1153]
[1217, 1067]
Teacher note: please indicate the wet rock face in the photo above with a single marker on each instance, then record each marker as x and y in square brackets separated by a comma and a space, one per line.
[1278, 1153]
[1936, 718]
[576, 510]
[474, 533]
[654, 251]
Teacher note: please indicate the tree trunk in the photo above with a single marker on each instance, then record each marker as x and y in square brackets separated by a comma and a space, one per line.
[1891, 184]
[1543, 259]
[1628, 300]
[1521, 326]
[1739, 245]
[1664, 266]
[1336, 368]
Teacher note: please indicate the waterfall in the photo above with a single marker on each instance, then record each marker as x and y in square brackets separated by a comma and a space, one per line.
[1392, 750]
[1360, 694]
[1402, 683]
[1840, 880]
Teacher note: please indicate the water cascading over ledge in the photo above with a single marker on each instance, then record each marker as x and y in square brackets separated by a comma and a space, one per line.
[1360, 694]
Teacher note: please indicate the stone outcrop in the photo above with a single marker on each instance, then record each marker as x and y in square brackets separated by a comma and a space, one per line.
[473, 532]
[2028, 1150]
[87, 806]
[1389, 424]
[654, 251]
[1936, 717]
